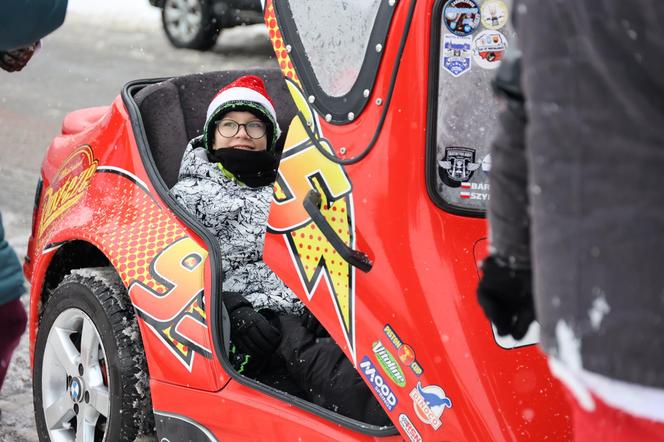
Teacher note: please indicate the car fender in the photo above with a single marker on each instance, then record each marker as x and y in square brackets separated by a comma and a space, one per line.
[96, 192]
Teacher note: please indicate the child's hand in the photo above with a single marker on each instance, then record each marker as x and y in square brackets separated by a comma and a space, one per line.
[253, 333]
[250, 331]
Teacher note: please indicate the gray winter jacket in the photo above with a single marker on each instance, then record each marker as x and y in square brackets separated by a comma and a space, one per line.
[590, 151]
[237, 215]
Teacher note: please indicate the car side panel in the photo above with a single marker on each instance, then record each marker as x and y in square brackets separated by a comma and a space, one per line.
[95, 190]
[239, 413]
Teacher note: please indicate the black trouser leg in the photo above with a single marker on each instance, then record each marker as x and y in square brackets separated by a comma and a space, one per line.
[322, 370]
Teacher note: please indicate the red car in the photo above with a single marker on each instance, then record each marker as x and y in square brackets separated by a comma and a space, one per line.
[377, 224]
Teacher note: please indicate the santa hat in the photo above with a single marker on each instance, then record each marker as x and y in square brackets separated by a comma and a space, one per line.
[246, 93]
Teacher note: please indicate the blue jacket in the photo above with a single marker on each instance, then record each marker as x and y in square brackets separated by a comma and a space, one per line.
[23, 22]
[11, 275]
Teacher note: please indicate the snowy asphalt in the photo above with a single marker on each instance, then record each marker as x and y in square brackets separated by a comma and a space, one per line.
[101, 46]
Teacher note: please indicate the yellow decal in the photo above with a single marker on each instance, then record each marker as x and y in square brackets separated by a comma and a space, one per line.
[303, 167]
[68, 185]
[278, 44]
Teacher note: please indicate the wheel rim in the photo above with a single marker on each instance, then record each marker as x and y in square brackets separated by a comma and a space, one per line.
[75, 383]
[183, 18]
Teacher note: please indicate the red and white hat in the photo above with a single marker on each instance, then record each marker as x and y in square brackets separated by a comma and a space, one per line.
[246, 93]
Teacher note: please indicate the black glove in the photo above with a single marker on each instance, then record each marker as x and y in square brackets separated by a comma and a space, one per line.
[506, 295]
[250, 331]
[311, 323]
[16, 59]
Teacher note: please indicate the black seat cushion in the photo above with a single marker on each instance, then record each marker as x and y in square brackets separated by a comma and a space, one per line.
[173, 112]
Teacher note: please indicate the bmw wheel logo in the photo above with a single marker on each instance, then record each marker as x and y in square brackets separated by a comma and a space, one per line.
[75, 390]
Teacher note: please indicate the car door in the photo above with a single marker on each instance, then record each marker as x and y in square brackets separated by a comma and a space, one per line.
[368, 233]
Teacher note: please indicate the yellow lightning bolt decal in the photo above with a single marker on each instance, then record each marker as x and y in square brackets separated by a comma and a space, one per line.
[303, 168]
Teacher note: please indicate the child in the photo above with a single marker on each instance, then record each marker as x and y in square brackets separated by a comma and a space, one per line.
[226, 180]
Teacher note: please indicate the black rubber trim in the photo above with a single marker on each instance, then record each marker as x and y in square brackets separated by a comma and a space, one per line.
[53, 245]
[38, 193]
[312, 203]
[386, 105]
[35, 209]
[432, 120]
[218, 312]
[354, 101]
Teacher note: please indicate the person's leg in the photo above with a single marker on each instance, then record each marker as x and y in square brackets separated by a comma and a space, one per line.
[13, 319]
[276, 375]
[609, 424]
[322, 369]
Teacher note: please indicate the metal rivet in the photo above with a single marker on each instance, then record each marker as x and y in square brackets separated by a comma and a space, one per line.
[365, 92]
[379, 47]
[312, 98]
[351, 116]
[310, 123]
[288, 48]
[391, 2]
[342, 151]
[328, 117]
[379, 101]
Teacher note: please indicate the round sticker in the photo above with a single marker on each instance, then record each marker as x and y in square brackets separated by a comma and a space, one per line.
[406, 354]
[489, 48]
[462, 17]
[494, 14]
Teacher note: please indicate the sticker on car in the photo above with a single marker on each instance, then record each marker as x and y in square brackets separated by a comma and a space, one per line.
[369, 371]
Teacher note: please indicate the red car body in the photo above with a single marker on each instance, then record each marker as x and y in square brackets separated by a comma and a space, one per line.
[411, 324]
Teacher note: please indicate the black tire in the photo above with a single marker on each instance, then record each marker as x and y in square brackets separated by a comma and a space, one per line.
[101, 335]
[184, 34]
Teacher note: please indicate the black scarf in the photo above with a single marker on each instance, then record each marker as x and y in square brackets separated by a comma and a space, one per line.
[253, 168]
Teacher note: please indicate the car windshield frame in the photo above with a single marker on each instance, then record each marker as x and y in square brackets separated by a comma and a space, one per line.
[342, 109]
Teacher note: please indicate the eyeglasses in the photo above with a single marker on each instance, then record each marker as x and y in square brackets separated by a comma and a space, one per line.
[230, 128]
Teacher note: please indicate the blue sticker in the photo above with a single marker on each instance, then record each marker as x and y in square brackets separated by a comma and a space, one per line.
[461, 17]
[457, 52]
[368, 369]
